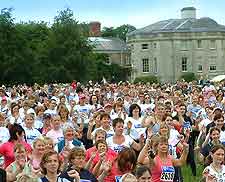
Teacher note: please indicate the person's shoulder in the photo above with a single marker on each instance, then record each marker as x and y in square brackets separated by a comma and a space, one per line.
[77, 142]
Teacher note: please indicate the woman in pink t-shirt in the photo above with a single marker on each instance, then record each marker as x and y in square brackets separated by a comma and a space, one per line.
[16, 136]
[162, 165]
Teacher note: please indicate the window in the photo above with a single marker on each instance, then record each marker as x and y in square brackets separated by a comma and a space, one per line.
[199, 44]
[128, 61]
[144, 46]
[155, 45]
[200, 67]
[145, 64]
[212, 68]
[108, 61]
[212, 44]
[132, 47]
[184, 45]
[155, 65]
[184, 64]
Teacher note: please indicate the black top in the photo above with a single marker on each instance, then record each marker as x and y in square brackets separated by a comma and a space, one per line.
[84, 174]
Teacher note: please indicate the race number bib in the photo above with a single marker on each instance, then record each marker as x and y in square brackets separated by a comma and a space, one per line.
[167, 174]
[117, 178]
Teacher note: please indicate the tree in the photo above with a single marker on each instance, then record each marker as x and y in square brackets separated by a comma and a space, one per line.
[119, 32]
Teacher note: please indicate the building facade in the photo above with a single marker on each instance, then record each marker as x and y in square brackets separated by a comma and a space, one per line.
[116, 50]
[169, 48]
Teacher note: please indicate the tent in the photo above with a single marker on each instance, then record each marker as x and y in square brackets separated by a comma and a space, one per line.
[218, 78]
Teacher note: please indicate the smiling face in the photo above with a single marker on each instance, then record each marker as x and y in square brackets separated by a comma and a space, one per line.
[218, 156]
[69, 134]
[146, 177]
[20, 154]
[215, 135]
[219, 122]
[39, 147]
[119, 128]
[169, 120]
[29, 121]
[102, 147]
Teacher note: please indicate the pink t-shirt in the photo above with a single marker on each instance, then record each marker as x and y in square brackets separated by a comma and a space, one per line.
[115, 174]
[6, 150]
[55, 135]
[163, 172]
[110, 155]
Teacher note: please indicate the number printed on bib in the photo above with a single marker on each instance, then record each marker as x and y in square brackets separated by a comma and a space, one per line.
[167, 174]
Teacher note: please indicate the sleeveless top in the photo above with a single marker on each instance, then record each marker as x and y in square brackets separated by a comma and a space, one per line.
[163, 172]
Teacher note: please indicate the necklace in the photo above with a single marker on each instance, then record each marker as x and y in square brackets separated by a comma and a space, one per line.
[218, 171]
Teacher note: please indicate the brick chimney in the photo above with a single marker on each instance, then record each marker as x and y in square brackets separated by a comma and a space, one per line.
[95, 29]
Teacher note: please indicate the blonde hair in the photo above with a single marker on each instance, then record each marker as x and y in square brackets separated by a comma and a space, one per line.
[41, 139]
[19, 147]
[128, 177]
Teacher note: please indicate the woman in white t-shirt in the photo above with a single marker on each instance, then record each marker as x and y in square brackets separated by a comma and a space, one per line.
[119, 141]
[135, 120]
[215, 172]
[31, 133]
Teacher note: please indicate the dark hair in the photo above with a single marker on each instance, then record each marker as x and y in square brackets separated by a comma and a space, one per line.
[44, 160]
[76, 151]
[209, 159]
[14, 130]
[126, 160]
[218, 116]
[13, 105]
[117, 120]
[140, 170]
[100, 141]
[213, 129]
[165, 116]
[90, 100]
[132, 107]
[104, 115]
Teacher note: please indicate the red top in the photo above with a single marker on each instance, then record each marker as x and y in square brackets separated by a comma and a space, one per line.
[6, 150]
[110, 155]
[163, 172]
[115, 174]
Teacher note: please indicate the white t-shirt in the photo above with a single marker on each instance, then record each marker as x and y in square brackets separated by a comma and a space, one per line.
[173, 141]
[4, 134]
[136, 124]
[222, 136]
[50, 111]
[118, 147]
[13, 120]
[31, 135]
[219, 176]
[83, 110]
[109, 133]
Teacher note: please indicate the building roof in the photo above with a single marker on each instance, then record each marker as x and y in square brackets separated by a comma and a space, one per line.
[181, 25]
[108, 44]
[188, 8]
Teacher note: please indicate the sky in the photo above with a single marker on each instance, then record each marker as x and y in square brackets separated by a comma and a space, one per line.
[113, 13]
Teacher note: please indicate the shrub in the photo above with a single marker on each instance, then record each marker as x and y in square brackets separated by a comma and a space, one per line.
[146, 79]
[188, 77]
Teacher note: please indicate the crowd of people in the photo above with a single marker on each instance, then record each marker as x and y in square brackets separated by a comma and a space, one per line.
[111, 132]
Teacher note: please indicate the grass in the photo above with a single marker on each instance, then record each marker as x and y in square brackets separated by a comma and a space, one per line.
[187, 174]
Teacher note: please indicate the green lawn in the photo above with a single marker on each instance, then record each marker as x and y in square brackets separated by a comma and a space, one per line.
[186, 172]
